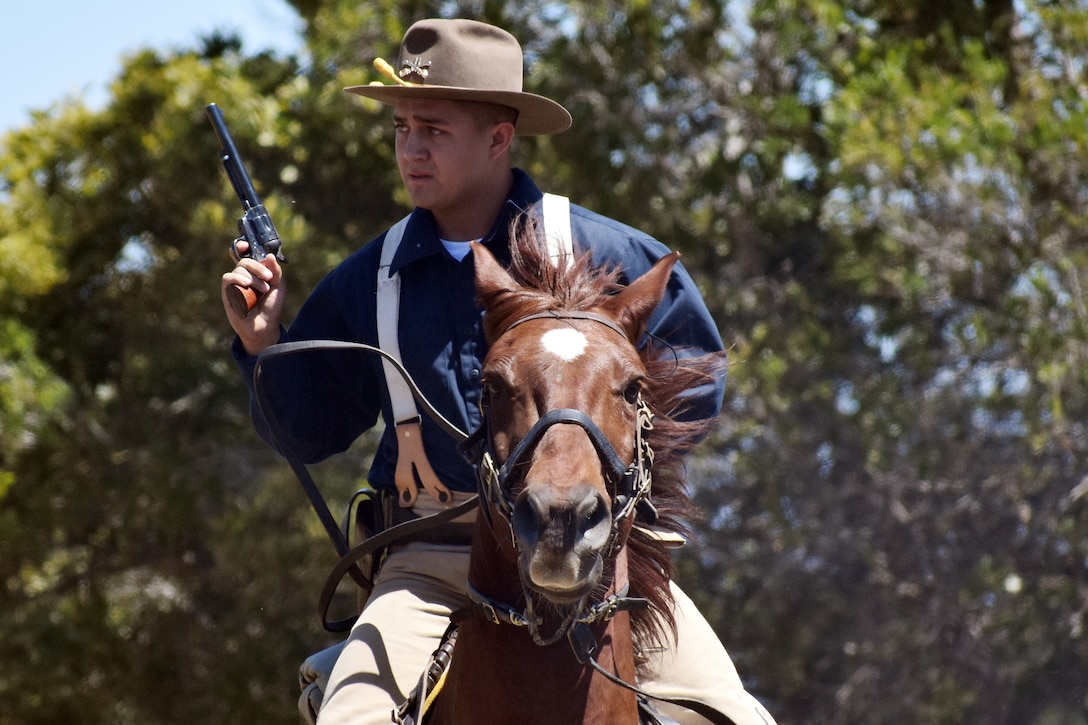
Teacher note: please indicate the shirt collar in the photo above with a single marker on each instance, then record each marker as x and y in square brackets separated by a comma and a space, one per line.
[421, 235]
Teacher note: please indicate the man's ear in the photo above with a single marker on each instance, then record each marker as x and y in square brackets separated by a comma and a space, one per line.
[502, 135]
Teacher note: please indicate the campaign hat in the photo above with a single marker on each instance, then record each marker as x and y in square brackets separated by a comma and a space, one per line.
[465, 60]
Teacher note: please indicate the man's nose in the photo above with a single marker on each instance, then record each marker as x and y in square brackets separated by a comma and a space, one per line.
[412, 144]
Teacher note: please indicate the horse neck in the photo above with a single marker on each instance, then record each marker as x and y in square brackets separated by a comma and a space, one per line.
[493, 569]
[500, 675]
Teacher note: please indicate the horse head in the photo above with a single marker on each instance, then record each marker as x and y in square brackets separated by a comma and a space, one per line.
[563, 411]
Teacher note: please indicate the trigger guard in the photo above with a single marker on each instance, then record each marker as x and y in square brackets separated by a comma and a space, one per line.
[234, 249]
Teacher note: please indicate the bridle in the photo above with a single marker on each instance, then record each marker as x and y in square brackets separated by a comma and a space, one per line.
[631, 482]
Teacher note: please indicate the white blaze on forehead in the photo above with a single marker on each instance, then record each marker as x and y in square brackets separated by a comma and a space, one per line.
[564, 343]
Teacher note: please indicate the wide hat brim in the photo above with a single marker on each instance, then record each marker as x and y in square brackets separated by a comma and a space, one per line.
[537, 115]
[465, 60]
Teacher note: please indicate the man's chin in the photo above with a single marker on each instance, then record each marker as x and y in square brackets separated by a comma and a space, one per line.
[421, 198]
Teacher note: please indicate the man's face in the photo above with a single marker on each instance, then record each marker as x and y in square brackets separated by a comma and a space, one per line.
[442, 152]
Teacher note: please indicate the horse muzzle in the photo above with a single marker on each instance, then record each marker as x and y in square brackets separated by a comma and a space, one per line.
[562, 534]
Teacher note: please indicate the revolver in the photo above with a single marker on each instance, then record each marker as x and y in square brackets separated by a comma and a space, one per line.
[255, 226]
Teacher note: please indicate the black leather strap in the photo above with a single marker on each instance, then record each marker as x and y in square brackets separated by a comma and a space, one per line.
[412, 530]
[309, 486]
[712, 714]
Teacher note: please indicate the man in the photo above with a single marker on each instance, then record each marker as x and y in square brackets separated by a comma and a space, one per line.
[457, 104]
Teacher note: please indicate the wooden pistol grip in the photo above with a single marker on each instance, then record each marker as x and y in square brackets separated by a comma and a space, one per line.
[242, 299]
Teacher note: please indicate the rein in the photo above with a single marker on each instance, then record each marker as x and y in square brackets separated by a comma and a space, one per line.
[348, 556]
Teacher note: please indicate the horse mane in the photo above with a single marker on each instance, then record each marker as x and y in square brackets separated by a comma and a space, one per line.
[574, 283]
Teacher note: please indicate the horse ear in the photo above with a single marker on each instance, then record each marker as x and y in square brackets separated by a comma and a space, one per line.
[632, 306]
[494, 287]
[491, 278]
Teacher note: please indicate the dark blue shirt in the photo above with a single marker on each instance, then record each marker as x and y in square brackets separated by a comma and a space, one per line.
[325, 401]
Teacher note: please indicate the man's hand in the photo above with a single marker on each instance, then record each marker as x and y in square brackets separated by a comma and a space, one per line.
[261, 327]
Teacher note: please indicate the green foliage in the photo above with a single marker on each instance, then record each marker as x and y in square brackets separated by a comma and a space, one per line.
[883, 202]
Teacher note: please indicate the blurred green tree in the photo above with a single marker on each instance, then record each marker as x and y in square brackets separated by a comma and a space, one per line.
[883, 202]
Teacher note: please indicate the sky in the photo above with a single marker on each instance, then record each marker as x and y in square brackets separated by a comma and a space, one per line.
[56, 49]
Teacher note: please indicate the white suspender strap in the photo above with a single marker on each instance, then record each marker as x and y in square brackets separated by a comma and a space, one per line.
[412, 462]
[388, 312]
[556, 212]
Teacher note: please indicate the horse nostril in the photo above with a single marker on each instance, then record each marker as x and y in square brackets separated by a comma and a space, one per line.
[578, 518]
[595, 520]
[526, 519]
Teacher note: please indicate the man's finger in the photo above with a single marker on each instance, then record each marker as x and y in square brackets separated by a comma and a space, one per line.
[238, 248]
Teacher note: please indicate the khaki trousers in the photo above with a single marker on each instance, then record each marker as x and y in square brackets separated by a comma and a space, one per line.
[421, 584]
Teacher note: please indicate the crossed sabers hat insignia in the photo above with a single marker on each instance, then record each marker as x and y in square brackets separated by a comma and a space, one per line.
[415, 66]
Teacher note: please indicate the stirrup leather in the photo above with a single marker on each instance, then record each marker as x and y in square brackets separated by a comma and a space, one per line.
[414, 710]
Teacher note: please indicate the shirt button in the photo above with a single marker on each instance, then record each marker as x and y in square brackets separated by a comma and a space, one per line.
[475, 374]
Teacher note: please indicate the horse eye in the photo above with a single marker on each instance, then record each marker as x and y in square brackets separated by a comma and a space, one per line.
[632, 391]
[491, 389]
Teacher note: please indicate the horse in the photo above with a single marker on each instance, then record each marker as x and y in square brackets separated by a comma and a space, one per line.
[579, 422]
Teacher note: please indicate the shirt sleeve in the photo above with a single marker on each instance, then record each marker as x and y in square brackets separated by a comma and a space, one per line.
[684, 324]
[681, 323]
[322, 400]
